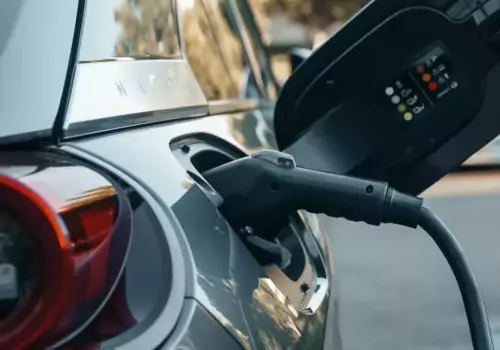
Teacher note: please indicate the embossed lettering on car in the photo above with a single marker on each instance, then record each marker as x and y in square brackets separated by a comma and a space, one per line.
[121, 88]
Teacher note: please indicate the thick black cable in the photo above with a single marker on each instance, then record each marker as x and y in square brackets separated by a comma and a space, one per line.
[471, 295]
[269, 186]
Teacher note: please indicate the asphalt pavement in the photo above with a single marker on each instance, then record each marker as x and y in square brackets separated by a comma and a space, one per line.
[395, 290]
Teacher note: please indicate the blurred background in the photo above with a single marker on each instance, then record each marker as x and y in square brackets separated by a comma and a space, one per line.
[285, 24]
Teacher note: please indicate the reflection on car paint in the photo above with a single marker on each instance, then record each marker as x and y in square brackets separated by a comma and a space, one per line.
[232, 288]
[129, 29]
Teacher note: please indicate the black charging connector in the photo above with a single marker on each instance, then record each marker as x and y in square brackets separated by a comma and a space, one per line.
[267, 186]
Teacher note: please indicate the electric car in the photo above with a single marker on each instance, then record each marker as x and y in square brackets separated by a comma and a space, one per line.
[154, 194]
[110, 236]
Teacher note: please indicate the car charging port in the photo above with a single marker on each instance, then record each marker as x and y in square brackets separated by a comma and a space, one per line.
[347, 197]
[271, 243]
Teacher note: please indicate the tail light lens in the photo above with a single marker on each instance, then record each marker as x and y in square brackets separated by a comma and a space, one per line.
[64, 235]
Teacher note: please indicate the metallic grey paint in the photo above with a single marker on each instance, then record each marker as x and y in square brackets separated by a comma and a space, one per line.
[229, 283]
[183, 271]
[33, 62]
[202, 331]
[214, 275]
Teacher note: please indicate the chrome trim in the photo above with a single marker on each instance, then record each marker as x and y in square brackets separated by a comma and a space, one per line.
[318, 295]
[131, 58]
[134, 89]
[231, 105]
[99, 126]
[315, 276]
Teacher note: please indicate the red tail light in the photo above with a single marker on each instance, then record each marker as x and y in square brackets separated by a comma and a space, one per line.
[64, 236]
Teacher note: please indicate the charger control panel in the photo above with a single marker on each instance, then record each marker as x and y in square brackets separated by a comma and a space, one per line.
[428, 80]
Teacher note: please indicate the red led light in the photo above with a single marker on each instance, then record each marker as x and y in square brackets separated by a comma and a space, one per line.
[433, 85]
[420, 69]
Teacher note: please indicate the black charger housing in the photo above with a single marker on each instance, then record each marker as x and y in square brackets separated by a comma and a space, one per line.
[405, 92]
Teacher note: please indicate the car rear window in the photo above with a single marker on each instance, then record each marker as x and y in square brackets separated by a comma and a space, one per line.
[121, 29]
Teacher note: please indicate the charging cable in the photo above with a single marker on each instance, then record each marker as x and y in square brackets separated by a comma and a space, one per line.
[471, 294]
[262, 189]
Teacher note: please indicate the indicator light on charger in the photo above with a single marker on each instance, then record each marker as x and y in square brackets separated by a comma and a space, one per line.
[426, 77]
[408, 116]
[420, 69]
[401, 107]
[433, 85]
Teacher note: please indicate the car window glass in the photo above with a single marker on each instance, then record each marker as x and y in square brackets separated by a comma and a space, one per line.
[211, 50]
[129, 29]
